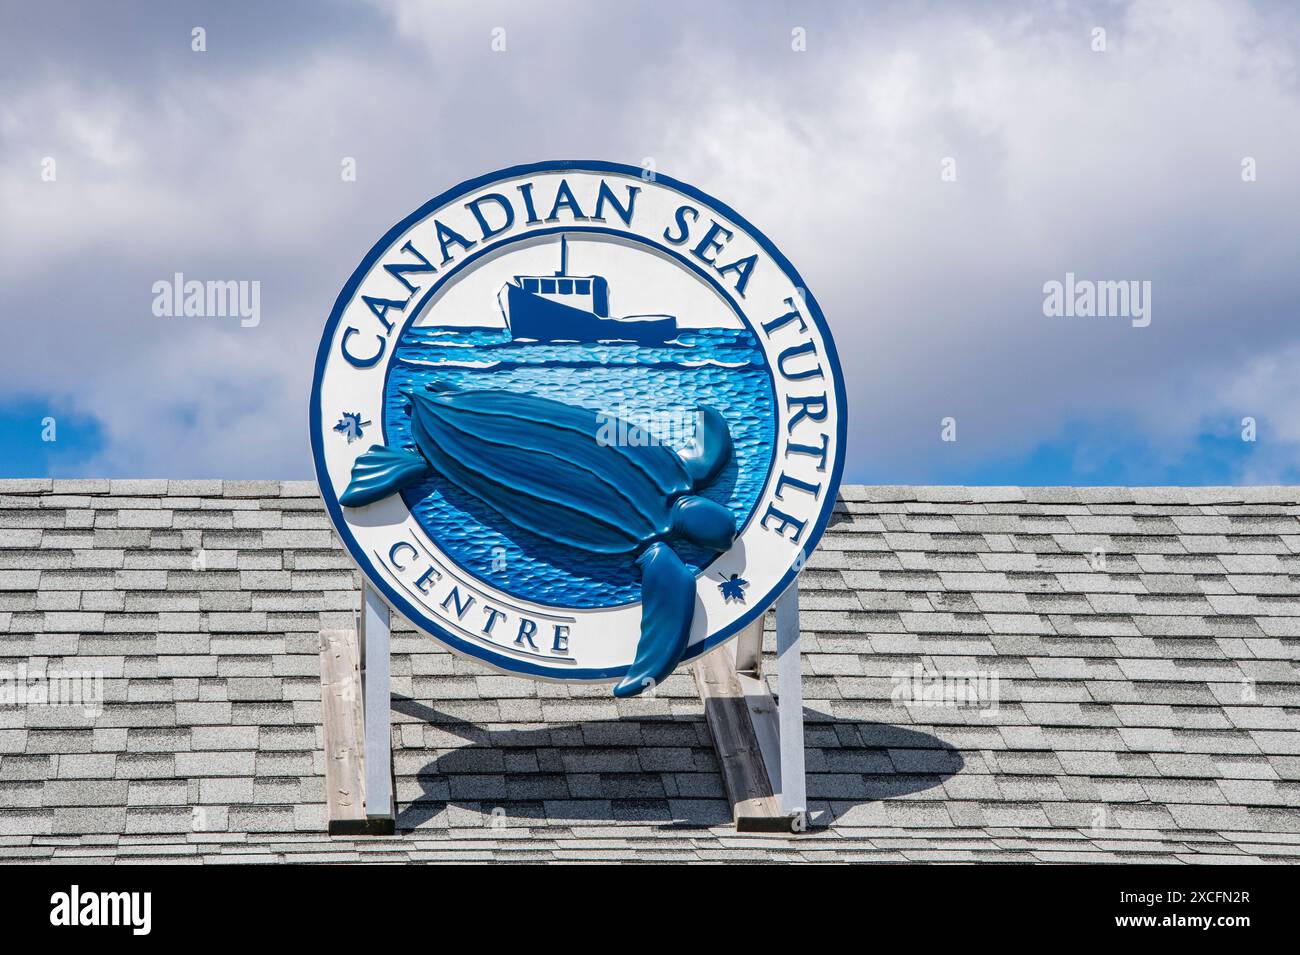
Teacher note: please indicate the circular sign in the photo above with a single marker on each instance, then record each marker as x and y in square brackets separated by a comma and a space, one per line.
[578, 420]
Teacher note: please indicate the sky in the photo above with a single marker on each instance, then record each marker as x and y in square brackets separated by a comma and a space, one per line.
[927, 167]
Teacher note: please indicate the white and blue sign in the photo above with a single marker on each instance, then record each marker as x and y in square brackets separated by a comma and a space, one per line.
[578, 421]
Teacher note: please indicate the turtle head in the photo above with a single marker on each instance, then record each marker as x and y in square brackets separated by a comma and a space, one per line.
[704, 522]
[710, 449]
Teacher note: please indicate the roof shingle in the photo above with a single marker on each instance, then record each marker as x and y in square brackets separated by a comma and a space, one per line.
[1143, 642]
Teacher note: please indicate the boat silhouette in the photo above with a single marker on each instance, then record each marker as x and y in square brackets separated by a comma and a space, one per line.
[574, 308]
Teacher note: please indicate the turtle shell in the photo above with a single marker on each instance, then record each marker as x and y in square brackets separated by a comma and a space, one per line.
[548, 467]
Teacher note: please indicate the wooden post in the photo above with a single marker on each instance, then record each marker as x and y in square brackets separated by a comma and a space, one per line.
[759, 745]
[356, 701]
[340, 674]
[749, 788]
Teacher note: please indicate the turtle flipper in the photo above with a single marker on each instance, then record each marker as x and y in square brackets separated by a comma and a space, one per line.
[710, 449]
[667, 606]
[380, 472]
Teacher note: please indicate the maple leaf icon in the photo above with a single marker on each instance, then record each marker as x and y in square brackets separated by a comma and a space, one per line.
[351, 424]
[733, 588]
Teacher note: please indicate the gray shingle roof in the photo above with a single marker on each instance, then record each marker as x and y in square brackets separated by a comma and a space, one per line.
[1144, 640]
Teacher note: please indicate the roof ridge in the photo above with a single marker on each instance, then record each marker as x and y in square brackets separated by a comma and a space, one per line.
[870, 493]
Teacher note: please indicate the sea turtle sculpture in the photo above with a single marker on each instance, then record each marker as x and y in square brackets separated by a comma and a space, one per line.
[552, 469]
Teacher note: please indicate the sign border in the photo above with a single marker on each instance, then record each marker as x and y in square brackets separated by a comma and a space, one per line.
[335, 510]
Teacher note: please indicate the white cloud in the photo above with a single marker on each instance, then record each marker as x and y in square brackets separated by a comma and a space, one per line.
[1123, 164]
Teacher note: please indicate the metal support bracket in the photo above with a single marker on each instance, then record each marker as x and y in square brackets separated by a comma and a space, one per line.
[376, 628]
[759, 744]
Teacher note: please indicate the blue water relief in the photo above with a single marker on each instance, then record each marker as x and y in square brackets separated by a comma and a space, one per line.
[655, 386]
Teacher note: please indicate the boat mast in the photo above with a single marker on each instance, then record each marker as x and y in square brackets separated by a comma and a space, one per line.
[564, 255]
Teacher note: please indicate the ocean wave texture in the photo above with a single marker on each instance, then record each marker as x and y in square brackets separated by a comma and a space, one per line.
[654, 386]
